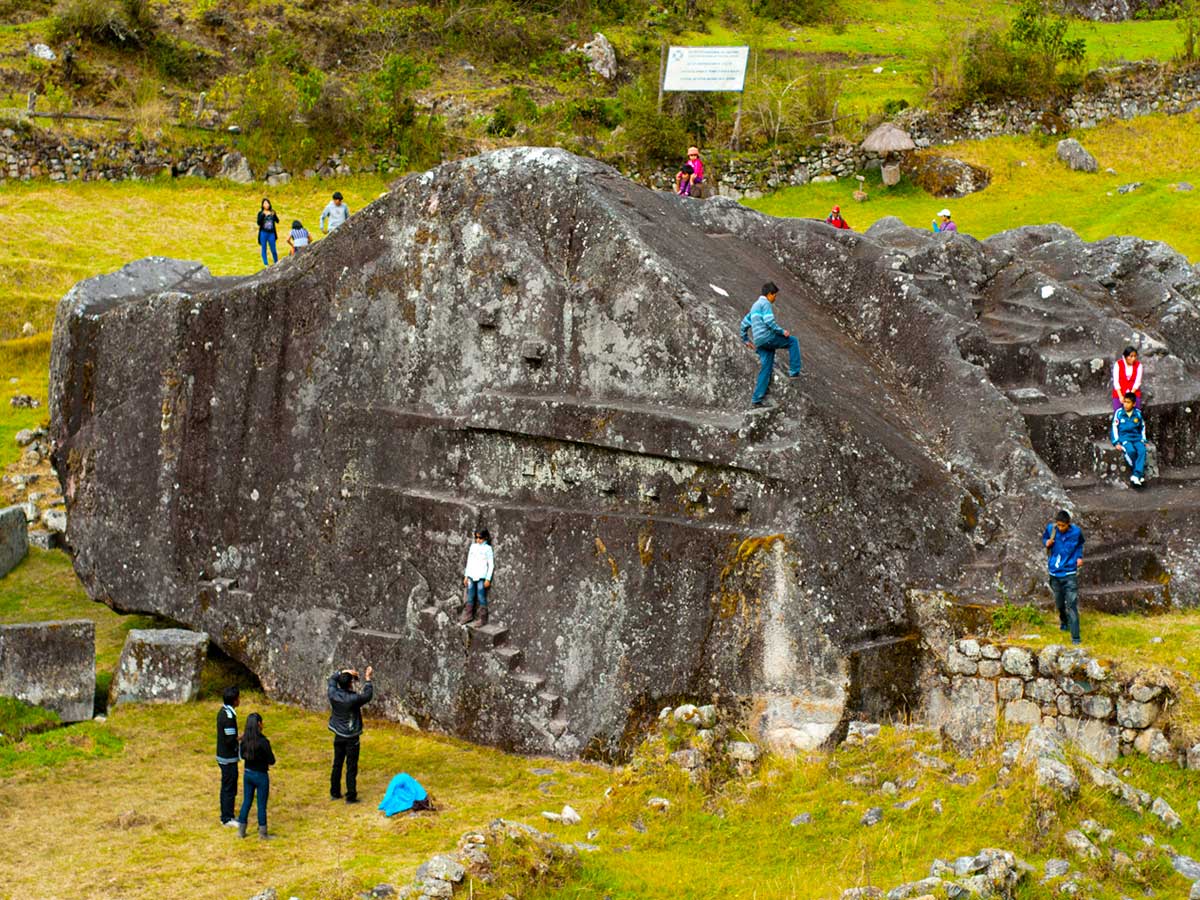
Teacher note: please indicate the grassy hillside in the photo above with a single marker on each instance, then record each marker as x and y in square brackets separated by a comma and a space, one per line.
[1030, 187]
[416, 80]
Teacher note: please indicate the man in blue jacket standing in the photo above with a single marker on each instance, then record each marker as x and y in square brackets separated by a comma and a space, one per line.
[1129, 433]
[761, 332]
[1064, 553]
[346, 723]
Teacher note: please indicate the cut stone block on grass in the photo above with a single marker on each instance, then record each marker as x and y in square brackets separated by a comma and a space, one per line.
[159, 666]
[14, 538]
[51, 665]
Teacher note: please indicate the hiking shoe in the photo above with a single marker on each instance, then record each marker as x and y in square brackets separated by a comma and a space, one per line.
[352, 798]
[482, 618]
[1076, 641]
[241, 829]
[335, 796]
[262, 833]
[467, 614]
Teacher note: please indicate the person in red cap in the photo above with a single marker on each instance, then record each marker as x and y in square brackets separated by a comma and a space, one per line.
[835, 219]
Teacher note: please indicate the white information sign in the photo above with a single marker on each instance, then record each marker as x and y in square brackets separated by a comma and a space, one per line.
[706, 69]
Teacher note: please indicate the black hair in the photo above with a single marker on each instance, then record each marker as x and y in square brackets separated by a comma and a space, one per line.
[337, 195]
[344, 680]
[296, 226]
[485, 534]
[770, 288]
[1063, 516]
[1128, 350]
[1130, 395]
[230, 695]
[686, 169]
[252, 736]
[267, 201]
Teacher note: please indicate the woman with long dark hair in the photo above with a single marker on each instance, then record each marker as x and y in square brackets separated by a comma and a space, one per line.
[268, 227]
[258, 758]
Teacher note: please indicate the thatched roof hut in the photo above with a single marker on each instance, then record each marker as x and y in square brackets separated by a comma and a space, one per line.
[888, 138]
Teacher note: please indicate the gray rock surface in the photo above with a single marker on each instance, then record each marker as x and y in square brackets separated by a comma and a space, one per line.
[294, 462]
[51, 665]
[235, 168]
[159, 665]
[14, 538]
[1075, 156]
[602, 58]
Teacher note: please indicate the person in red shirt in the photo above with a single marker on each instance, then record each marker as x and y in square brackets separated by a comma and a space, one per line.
[1127, 378]
[835, 219]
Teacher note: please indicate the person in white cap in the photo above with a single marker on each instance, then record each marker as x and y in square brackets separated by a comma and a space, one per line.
[945, 224]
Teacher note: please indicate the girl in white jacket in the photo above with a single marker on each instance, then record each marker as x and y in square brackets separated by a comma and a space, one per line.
[477, 577]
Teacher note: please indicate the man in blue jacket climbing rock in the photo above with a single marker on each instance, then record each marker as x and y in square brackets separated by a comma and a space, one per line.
[345, 721]
[761, 332]
[1064, 553]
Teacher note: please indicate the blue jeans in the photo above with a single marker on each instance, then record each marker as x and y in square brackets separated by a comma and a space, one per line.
[476, 592]
[1066, 599]
[766, 362]
[267, 239]
[1135, 455]
[255, 782]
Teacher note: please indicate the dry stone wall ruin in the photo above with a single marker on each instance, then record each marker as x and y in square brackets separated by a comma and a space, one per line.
[294, 462]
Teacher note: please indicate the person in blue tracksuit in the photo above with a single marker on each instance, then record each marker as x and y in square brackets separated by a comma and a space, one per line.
[761, 332]
[1129, 433]
[1064, 553]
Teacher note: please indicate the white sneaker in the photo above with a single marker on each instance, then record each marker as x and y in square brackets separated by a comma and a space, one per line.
[232, 823]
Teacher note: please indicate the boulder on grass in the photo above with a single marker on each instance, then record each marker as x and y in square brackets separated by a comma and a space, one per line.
[51, 665]
[14, 538]
[1077, 159]
[943, 176]
[159, 666]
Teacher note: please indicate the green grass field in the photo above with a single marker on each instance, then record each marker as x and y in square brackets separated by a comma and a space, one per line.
[1030, 187]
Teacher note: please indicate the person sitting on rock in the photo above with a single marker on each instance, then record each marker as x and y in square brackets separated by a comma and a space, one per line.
[696, 176]
[683, 180]
[477, 578]
[1064, 554]
[943, 222]
[1129, 433]
[1127, 378]
[835, 219]
[762, 333]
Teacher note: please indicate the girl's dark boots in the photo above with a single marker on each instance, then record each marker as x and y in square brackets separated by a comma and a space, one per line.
[483, 615]
[262, 833]
[468, 612]
[241, 829]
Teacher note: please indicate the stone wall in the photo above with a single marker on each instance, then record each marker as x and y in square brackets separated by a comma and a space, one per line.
[980, 684]
[1121, 92]
[52, 665]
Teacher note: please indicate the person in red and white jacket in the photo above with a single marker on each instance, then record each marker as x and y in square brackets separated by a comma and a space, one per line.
[1127, 378]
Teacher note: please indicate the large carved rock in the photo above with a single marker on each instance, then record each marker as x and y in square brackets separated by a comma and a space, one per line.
[159, 666]
[52, 665]
[294, 462]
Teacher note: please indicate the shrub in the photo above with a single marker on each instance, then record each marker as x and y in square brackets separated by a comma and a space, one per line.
[1031, 59]
[516, 109]
[1005, 618]
[117, 23]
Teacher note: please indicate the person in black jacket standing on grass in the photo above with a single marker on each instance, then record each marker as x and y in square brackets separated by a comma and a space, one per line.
[258, 756]
[227, 754]
[345, 721]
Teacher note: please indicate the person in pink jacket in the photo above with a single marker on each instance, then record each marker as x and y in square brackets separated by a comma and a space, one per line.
[695, 178]
[1127, 378]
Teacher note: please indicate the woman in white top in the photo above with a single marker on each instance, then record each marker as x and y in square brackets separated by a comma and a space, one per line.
[477, 577]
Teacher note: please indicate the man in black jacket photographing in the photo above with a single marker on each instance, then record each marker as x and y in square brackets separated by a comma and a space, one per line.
[345, 721]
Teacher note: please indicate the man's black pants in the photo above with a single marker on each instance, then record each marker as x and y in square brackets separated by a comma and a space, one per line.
[344, 750]
[229, 780]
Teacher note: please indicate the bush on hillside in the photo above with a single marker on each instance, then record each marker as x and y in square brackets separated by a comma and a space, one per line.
[800, 12]
[1031, 59]
[117, 23]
